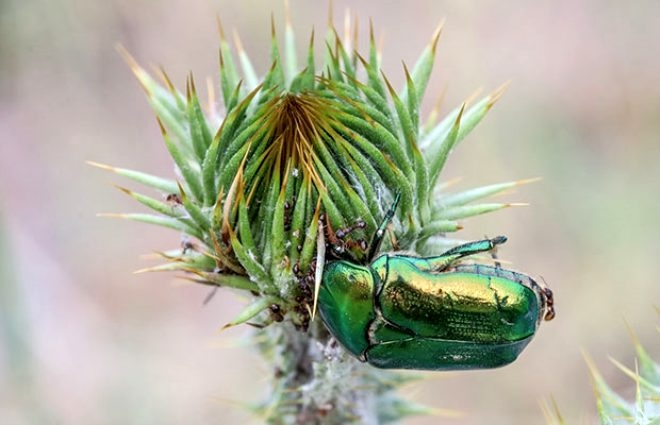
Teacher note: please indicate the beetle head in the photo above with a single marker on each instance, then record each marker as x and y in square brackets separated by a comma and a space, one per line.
[346, 303]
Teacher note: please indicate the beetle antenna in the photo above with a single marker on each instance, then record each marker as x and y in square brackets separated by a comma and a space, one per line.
[377, 240]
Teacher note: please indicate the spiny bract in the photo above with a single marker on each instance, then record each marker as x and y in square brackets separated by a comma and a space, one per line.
[337, 140]
[254, 176]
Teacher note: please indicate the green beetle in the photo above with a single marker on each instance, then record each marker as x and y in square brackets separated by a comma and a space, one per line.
[433, 313]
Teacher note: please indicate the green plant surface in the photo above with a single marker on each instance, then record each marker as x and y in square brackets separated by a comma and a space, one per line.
[108, 346]
[302, 148]
[613, 409]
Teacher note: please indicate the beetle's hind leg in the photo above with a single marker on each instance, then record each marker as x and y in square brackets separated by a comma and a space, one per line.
[549, 299]
[446, 259]
[493, 255]
[475, 247]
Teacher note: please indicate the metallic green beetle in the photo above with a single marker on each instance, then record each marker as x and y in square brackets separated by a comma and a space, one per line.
[433, 313]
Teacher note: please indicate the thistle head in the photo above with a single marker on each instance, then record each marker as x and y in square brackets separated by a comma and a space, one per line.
[304, 150]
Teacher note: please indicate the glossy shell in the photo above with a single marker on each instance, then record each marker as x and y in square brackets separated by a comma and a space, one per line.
[396, 314]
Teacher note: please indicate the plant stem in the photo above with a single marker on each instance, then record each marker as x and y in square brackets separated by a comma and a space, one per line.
[314, 381]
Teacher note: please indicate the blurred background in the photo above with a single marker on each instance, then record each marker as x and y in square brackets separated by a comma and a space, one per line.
[83, 340]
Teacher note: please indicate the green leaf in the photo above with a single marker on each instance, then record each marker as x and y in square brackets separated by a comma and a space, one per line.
[159, 183]
[248, 260]
[252, 310]
[235, 98]
[437, 154]
[373, 78]
[223, 141]
[421, 180]
[277, 72]
[464, 211]
[309, 244]
[465, 197]
[437, 227]
[377, 135]
[608, 404]
[346, 61]
[158, 206]
[377, 100]
[277, 232]
[229, 281]
[446, 135]
[188, 169]
[411, 101]
[196, 214]
[173, 122]
[422, 70]
[250, 76]
[298, 224]
[228, 73]
[169, 222]
[245, 232]
[333, 66]
[291, 61]
[199, 131]
[168, 103]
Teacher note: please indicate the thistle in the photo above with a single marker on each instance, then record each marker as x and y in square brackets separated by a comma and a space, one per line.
[300, 150]
[612, 408]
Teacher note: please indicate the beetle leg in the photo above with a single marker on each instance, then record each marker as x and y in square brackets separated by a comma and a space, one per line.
[338, 246]
[346, 248]
[446, 259]
[210, 295]
[493, 255]
[377, 240]
[335, 244]
[549, 299]
[359, 244]
[342, 233]
[476, 247]
[288, 214]
[549, 304]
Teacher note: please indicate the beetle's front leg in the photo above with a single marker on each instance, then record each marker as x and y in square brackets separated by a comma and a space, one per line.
[340, 248]
[446, 259]
[374, 245]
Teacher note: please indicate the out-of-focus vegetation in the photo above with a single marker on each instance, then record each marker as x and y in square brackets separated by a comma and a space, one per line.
[645, 408]
[106, 346]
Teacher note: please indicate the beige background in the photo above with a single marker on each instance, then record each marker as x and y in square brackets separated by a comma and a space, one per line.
[97, 344]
